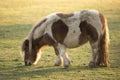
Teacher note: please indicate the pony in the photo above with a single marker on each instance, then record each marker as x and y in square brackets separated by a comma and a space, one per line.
[72, 30]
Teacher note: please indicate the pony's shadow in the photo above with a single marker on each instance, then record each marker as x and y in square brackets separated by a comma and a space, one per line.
[51, 69]
[22, 71]
[46, 71]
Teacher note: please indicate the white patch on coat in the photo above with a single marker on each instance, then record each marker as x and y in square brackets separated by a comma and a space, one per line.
[39, 31]
[72, 38]
[50, 20]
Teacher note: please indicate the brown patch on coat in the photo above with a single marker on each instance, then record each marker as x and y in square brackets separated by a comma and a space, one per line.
[103, 59]
[88, 32]
[49, 41]
[25, 45]
[83, 39]
[65, 15]
[38, 43]
[59, 30]
[46, 40]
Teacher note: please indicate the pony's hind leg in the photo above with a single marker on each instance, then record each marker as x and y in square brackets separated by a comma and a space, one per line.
[94, 47]
[61, 50]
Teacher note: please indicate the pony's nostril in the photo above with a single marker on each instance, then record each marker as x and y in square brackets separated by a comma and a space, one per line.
[25, 63]
[29, 64]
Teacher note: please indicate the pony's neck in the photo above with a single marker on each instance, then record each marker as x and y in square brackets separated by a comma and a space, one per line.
[39, 43]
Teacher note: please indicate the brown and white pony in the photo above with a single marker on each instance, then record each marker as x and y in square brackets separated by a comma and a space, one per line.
[63, 31]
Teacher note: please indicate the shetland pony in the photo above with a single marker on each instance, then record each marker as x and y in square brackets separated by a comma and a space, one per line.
[63, 31]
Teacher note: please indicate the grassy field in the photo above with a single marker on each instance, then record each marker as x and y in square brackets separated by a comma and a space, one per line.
[18, 16]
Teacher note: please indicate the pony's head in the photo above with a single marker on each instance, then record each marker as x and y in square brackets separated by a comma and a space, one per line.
[31, 51]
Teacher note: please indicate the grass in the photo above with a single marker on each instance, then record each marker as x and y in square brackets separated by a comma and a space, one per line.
[16, 20]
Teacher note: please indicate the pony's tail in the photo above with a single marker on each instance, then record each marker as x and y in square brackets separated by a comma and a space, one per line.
[103, 59]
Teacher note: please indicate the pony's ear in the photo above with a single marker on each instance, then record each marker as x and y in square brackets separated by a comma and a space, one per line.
[25, 45]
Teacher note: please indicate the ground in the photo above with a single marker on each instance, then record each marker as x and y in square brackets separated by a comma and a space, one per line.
[17, 18]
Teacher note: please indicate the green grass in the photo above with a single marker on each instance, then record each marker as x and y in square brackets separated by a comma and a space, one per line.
[16, 20]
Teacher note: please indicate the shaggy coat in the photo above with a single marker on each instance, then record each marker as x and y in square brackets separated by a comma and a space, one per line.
[63, 31]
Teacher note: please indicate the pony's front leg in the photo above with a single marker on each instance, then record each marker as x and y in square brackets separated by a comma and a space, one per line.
[92, 62]
[62, 53]
[65, 60]
[59, 58]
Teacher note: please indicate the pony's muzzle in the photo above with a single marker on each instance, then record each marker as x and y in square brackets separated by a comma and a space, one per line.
[28, 63]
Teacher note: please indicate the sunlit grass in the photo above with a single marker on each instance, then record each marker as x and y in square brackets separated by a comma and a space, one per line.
[19, 11]
[18, 16]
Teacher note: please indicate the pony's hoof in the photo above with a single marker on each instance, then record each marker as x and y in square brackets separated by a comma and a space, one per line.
[56, 64]
[66, 66]
[91, 65]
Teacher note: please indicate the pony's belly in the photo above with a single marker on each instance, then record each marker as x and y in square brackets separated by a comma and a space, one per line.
[72, 40]
[72, 44]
